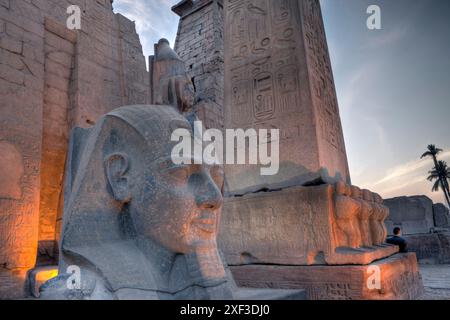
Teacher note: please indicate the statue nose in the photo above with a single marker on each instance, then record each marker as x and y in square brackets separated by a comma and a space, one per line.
[209, 196]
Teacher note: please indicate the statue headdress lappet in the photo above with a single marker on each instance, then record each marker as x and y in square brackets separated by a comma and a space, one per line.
[138, 226]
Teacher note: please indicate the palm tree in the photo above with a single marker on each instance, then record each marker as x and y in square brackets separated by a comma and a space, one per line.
[432, 152]
[443, 182]
[441, 173]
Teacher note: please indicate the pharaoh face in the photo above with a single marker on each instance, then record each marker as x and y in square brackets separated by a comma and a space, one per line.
[177, 206]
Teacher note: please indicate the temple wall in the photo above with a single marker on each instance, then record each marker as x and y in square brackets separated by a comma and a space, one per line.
[52, 79]
[199, 44]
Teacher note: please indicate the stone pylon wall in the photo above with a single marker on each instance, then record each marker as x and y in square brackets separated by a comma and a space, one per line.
[240, 51]
[52, 79]
[278, 75]
[199, 44]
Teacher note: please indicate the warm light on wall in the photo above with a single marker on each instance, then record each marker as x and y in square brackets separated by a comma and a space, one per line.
[45, 275]
[41, 275]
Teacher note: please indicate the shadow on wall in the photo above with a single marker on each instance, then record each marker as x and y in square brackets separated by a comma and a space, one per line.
[301, 177]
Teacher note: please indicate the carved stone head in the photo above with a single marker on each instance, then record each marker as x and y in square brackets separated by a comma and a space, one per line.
[136, 220]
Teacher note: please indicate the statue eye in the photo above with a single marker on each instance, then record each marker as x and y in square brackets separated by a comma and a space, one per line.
[179, 174]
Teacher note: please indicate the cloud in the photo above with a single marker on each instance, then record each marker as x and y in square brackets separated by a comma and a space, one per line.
[410, 168]
[387, 38]
[154, 20]
[408, 179]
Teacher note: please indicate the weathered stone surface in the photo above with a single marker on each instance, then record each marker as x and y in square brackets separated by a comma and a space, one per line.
[169, 79]
[11, 171]
[414, 215]
[47, 88]
[199, 43]
[270, 294]
[124, 170]
[148, 226]
[38, 276]
[400, 279]
[13, 283]
[278, 76]
[430, 248]
[300, 226]
[60, 55]
[441, 216]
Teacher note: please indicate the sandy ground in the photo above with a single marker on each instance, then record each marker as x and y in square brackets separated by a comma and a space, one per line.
[436, 280]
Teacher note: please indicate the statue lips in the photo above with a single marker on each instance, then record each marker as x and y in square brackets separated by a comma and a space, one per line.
[206, 221]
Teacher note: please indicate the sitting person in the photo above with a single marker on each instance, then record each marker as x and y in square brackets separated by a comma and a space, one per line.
[397, 240]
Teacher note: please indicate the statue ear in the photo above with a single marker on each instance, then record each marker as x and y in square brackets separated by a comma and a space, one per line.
[116, 167]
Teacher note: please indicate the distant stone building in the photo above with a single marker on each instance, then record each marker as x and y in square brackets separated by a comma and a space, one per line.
[52, 79]
[424, 225]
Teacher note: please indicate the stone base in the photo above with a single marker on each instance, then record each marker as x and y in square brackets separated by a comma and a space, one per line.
[38, 276]
[360, 256]
[400, 279]
[13, 284]
[269, 294]
[430, 247]
[297, 226]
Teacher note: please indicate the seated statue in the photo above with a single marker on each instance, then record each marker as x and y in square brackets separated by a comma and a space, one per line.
[136, 225]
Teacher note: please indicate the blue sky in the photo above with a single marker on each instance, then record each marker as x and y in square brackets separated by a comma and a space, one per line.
[393, 84]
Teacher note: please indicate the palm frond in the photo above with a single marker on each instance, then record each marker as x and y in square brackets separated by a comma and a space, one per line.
[426, 154]
[436, 186]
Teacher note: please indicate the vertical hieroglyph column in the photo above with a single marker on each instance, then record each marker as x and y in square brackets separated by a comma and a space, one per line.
[278, 76]
[332, 152]
[199, 44]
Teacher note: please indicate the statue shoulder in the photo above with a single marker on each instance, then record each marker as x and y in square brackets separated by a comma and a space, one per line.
[63, 287]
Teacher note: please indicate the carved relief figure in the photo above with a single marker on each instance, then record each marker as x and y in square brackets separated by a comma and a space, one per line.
[347, 211]
[366, 213]
[378, 228]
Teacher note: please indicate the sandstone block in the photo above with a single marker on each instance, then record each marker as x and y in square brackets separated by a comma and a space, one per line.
[62, 58]
[38, 276]
[413, 214]
[5, 3]
[57, 82]
[57, 69]
[267, 73]
[10, 44]
[441, 216]
[56, 42]
[431, 248]
[11, 75]
[400, 279]
[303, 226]
[13, 283]
[14, 60]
